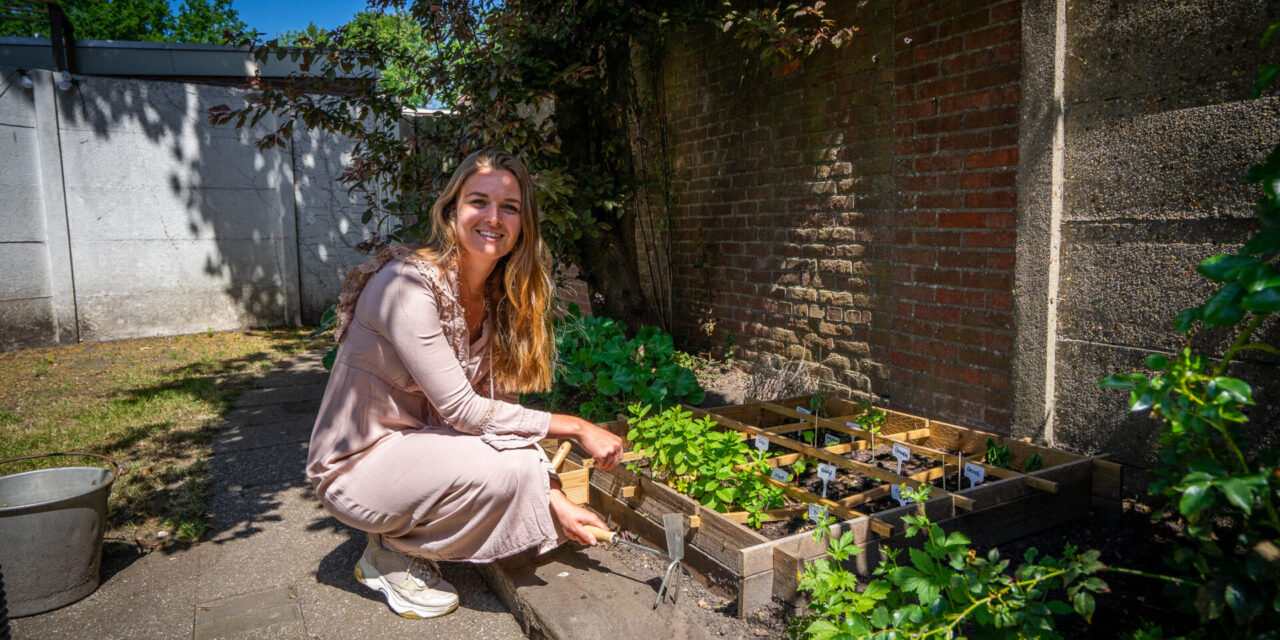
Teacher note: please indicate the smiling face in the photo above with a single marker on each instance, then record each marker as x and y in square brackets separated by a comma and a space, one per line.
[488, 215]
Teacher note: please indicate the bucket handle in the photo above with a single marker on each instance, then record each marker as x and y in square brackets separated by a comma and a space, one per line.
[119, 469]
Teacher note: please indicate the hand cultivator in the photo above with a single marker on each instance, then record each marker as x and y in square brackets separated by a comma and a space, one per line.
[673, 525]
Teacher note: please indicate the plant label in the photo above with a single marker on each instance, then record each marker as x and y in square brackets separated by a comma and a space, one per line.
[804, 411]
[826, 471]
[778, 474]
[762, 443]
[830, 440]
[902, 453]
[817, 512]
[855, 425]
[895, 492]
[974, 473]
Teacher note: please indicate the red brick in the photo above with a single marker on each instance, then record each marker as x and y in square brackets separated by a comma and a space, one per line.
[991, 158]
[962, 219]
[990, 199]
[990, 239]
[1007, 11]
[992, 36]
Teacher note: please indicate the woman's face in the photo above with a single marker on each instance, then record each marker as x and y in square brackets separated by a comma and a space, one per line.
[488, 214]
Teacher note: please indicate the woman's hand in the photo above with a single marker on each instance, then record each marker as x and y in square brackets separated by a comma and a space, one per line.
[600, 444]
[571, 519]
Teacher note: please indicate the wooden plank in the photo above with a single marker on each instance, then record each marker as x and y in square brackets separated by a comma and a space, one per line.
[1107, 480]
[871, 495]
[756, 592]
[819, 454]
[771, 515]
[951, 436]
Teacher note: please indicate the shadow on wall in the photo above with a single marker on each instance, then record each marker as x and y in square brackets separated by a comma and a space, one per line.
[177, 226]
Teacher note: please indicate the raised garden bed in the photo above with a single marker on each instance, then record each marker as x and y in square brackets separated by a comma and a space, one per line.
[761, 565]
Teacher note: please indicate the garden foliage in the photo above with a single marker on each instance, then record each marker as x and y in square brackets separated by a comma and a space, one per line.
[600, 371]
[1223, 490]
[713, 466]
[944, 589]
[572, 86]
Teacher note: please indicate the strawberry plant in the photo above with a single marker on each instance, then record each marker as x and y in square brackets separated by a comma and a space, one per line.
[945, 589]
[602, 371]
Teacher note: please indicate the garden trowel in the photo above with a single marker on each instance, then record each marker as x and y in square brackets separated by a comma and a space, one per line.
[673, 525]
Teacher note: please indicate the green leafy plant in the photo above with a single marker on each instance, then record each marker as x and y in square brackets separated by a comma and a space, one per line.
[799, 466]
[714, 467]
[603, 371]
[945, 589]
[997, 454]
[871, 419]
[1210, 476]
[1035, 462]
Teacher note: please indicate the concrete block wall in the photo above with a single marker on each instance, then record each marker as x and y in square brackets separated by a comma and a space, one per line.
[1154, 135]
[856, 208]
[126, 214]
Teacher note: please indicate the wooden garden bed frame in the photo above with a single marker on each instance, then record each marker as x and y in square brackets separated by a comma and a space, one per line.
[738, 561]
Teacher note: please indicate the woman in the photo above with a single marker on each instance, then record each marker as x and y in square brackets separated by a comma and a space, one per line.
[418, 442]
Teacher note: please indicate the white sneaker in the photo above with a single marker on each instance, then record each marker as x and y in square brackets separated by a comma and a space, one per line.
[413, 586]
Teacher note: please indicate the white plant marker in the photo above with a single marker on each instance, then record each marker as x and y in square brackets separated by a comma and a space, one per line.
[902, 453]
[895, 492]
[778, 474]
[830, 441]
[762, 443]
[816, 512]
[804, 411]
[974, 473]
[828, 473]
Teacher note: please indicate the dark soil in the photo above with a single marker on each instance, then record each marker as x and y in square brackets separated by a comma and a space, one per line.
[711, 612]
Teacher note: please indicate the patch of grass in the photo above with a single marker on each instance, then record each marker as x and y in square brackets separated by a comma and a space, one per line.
[152, 404]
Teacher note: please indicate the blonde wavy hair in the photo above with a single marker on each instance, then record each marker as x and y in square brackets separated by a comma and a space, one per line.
[519, 289]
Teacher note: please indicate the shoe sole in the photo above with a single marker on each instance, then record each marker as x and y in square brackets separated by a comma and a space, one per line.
[399, 605]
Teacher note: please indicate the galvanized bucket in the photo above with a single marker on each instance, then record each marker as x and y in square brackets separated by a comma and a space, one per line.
[51, 524]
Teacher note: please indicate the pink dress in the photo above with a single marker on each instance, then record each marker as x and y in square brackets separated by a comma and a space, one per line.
[411, 442]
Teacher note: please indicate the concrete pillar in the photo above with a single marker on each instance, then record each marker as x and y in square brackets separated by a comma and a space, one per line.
[1040, 149]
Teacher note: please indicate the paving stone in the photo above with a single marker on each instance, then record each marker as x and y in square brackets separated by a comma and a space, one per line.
[269, 613]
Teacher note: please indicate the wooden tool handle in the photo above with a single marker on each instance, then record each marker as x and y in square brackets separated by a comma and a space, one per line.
[561, 454]
[600, 534]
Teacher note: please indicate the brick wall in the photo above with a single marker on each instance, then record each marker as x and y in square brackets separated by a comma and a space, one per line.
[857, 208]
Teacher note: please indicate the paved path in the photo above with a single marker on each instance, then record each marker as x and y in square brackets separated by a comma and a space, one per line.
[276, 565]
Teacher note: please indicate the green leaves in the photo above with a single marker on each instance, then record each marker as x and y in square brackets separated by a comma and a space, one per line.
[946, 588]
[713, 466]
[603, 371]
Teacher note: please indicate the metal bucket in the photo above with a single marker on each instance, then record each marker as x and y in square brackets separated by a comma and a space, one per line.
[51, 524]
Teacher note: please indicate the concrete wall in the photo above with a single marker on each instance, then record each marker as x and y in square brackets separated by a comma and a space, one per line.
[125, 214]
[1135, 135]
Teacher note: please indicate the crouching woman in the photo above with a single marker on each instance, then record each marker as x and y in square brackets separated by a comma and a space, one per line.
[418, 441]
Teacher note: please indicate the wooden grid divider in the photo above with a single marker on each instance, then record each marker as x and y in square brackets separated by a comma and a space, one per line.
[960, 502]
[942, 456]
